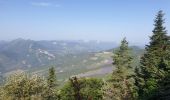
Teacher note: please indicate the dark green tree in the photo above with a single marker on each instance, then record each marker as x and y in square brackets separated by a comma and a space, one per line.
[76, 88]
[51, 89]
[121, 84]
[82, 89]
[139, 81]
[51, 80]
[155, 62]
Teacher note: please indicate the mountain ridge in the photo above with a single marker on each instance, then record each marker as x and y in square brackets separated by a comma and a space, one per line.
[23, 54]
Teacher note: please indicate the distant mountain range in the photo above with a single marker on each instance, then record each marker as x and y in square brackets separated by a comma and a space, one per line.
[25, 54]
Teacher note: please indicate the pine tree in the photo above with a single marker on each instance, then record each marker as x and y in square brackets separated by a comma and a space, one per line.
[51, 80]
[120, 87]
[51, 90]
[139, 81]
[155, 62]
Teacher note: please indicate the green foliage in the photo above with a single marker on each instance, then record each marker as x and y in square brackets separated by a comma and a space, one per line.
[82, 89]
[155, 62]
[21, 87]
[51, 88]
[139, 81]
[121, 84]
[51, 80]
[122, 56]
[164, 90]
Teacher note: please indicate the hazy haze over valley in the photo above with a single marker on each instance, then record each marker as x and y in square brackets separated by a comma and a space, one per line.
[68, 57]
[71, 34]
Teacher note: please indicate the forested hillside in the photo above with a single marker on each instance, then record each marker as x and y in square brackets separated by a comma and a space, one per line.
[134, 73]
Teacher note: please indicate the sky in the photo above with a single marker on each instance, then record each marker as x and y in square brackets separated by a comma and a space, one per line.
[104, 20]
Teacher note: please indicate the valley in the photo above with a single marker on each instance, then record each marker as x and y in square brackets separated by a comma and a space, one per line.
[69, 58]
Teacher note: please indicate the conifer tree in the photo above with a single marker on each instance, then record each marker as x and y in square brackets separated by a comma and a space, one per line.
[120, 86]
[51, 90]
[51, 80]
[155, 62]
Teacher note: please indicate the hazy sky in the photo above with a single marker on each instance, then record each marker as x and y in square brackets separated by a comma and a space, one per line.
[106, 20]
